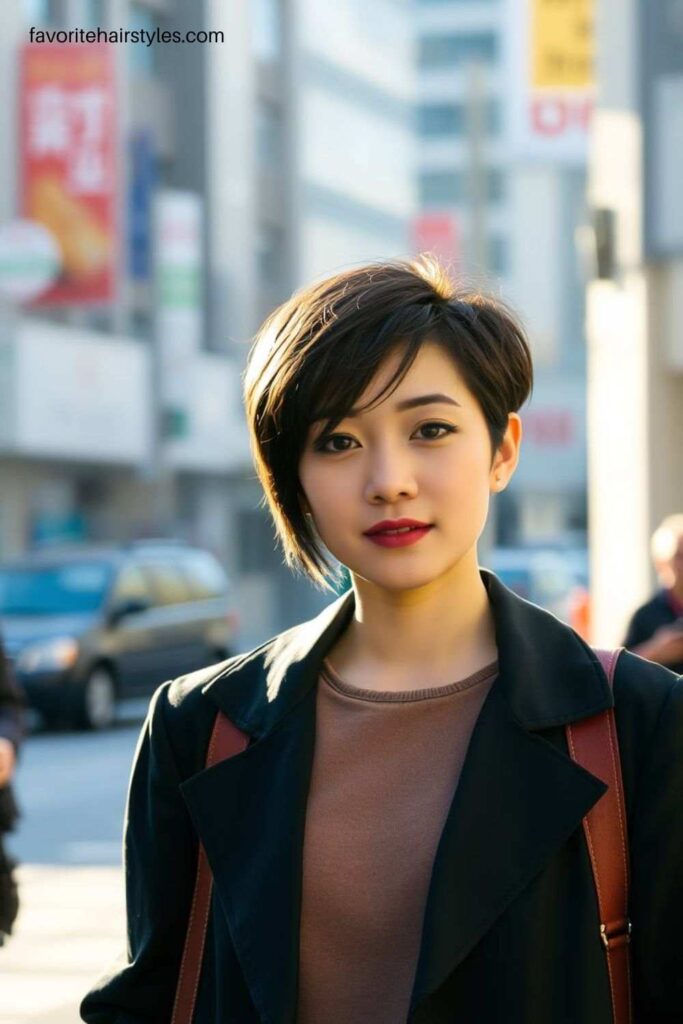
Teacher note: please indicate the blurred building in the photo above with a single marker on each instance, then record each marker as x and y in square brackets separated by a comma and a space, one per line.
[505, 209]
[241, 169]
[635, 300]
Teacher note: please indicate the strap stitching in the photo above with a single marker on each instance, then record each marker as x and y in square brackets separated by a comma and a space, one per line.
[186, 951]
[596, 878]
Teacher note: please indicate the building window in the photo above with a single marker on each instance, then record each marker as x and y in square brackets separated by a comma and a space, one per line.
[498, 254]
[269, 136]
[439, 187]
[449, 51]
[434, 119]
[267, 29]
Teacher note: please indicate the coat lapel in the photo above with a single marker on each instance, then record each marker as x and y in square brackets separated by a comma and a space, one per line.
[519, 798]
[249, 811]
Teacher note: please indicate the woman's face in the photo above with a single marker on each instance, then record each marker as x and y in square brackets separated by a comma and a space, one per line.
[429, 462]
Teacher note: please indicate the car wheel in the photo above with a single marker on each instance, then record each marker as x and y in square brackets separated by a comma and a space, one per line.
[97, 700]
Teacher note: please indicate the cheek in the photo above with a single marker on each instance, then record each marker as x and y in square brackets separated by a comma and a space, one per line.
[324, 489]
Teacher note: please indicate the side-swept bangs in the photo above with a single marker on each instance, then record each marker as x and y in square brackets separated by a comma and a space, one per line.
[319, 351]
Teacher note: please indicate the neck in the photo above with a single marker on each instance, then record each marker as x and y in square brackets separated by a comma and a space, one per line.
[438, 633]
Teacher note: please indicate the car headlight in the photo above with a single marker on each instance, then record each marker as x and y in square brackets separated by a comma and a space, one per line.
[58, 653]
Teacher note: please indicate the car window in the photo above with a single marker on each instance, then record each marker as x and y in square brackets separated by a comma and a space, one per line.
[167, 582]
[205, 576]
[131, 585]
[75, 587]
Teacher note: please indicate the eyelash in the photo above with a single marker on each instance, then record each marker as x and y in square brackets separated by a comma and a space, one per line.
[320, 444]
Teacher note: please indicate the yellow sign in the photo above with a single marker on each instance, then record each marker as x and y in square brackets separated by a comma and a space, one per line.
[562, 44]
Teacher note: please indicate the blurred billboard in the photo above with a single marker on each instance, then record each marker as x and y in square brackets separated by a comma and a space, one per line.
[551, 76]
[68, 163]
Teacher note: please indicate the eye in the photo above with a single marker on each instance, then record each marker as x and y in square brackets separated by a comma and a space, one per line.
[432, 425]
[322, 444]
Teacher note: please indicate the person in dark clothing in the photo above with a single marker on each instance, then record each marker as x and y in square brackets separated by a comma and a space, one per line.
[401, 840]
[11, 734]
[655, 631]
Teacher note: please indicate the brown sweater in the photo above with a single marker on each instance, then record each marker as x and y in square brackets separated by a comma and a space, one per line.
[385, 769]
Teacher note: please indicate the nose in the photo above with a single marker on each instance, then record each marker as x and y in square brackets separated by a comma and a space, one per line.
[390, 477]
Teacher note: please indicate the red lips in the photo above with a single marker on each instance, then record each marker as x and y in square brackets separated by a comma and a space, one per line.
[396, 524]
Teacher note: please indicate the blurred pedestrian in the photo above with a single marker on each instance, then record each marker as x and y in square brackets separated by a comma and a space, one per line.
[11, 732]
[401, 834]
[655, 631]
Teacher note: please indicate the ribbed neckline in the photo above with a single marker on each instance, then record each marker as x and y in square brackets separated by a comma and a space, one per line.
[402, 696]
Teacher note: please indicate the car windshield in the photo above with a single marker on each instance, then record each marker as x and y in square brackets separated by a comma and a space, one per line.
[75, 588]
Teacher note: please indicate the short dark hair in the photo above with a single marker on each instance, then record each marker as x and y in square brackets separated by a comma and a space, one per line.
[315, 355]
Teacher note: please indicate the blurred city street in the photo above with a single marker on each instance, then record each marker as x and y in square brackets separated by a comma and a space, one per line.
[71, 923]
[173, 172]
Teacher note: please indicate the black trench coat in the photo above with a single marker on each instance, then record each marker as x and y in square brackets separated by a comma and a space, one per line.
[511, 929]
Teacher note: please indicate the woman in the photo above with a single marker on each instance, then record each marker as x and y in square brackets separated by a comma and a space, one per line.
[402, 839]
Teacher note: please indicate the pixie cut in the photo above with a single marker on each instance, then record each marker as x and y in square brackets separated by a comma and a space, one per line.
[317, 352]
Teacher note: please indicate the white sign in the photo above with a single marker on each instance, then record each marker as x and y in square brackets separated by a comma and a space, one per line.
[79, 395]
[30, 260]
[216, 439]
[550, 77]
[178, 261]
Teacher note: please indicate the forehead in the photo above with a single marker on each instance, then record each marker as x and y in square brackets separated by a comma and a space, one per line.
[433, 370]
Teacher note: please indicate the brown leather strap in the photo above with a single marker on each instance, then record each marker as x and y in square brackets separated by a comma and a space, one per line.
[593, 744]
[226, 741]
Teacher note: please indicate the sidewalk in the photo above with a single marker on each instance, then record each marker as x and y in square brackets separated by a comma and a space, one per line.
[69, 930]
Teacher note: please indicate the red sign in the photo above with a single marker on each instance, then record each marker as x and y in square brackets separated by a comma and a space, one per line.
[553, 116]
[437, 233]
[68, 163]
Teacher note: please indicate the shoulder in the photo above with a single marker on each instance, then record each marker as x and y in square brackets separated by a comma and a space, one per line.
[642, 686]
[183, 710]
[649, 716]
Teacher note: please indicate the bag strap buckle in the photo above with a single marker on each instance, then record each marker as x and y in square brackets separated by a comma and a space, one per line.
[617, 933]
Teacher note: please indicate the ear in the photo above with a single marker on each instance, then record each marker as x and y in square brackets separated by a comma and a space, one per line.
[507, 456]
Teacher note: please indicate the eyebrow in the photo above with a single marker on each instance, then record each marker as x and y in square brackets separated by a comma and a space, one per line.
[410, 403]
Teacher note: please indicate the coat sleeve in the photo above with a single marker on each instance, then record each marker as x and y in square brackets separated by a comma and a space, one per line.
[656, 843]
[160, 855]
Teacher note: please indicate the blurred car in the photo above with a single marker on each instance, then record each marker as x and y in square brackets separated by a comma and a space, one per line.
[557, 579]
[85, 627]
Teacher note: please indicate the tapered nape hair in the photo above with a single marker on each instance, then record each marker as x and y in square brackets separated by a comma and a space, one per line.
[318, 352]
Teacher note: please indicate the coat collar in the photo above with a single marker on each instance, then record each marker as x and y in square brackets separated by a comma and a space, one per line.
[518, 793]
[549, 675]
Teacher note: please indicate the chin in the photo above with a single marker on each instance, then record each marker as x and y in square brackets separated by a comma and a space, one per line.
[401, 579]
